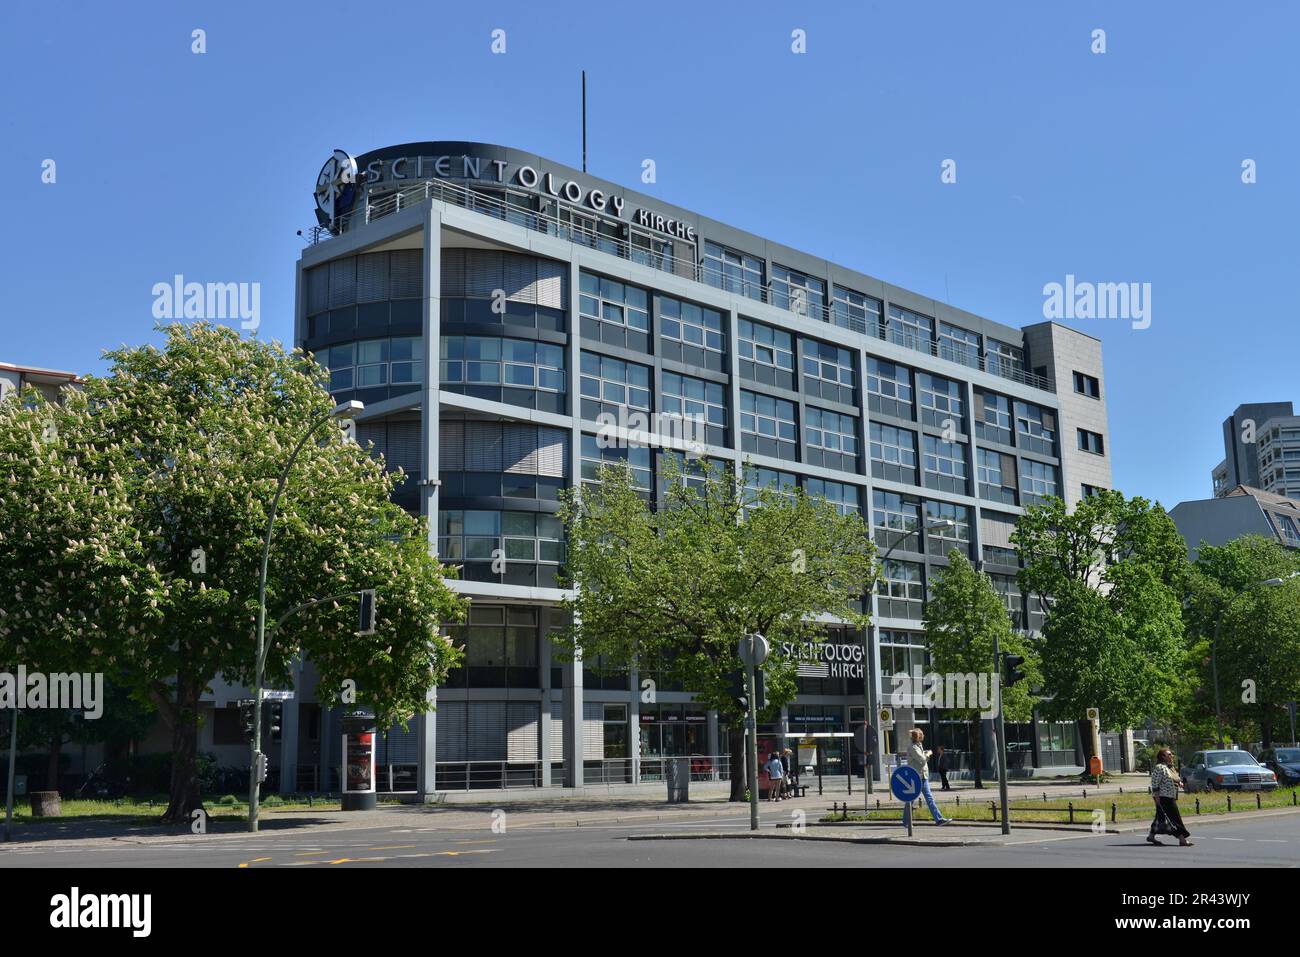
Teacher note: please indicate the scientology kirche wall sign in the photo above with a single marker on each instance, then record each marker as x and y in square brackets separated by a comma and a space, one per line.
[396, 167]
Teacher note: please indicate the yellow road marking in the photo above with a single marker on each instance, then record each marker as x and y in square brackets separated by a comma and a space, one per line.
[392, 847]
[256, 860]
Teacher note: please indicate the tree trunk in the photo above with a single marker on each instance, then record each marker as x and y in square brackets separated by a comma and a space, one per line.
[739, 775]
[52, 769]
[977, 733]
[184, 791]
[1266, 731]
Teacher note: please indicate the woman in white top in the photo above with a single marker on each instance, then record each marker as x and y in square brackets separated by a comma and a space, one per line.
[919, 760]
[1164, 789]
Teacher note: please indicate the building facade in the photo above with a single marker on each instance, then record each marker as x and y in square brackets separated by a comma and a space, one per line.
[15, 378]
[1261, 450]
[493, 309]
[1240, 511]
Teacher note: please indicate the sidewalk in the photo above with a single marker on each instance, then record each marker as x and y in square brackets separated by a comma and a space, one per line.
[574, 809]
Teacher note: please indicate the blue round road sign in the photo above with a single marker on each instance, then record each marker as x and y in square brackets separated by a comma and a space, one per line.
[905, 783]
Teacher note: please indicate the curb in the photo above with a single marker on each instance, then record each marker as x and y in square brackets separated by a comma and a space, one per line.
[829, 839]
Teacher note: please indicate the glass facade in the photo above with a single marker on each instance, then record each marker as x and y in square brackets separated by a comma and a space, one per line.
[920, 438]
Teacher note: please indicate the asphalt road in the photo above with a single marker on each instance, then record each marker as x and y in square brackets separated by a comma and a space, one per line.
[1260, 842]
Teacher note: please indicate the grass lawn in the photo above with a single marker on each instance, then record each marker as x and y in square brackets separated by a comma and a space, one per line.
[1130, 806]
[142, 809]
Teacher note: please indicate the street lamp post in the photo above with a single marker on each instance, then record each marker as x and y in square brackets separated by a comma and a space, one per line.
[872, 666]
[344, 410]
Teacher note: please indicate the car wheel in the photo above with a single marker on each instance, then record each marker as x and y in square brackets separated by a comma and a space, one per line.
[1209, 786]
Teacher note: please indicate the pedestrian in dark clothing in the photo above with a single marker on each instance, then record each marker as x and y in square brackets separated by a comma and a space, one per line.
[940, 765]
[1164, 788]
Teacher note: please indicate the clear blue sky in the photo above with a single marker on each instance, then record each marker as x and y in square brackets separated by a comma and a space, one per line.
[1116, 167]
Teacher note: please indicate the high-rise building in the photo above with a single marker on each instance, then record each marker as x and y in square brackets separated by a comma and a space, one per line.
[492, 309]
[1261, 446]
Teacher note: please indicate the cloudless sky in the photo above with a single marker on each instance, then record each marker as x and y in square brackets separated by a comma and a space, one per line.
[1119, 167]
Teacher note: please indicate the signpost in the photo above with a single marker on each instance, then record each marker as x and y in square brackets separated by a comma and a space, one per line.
[752, 650]
[905, 782]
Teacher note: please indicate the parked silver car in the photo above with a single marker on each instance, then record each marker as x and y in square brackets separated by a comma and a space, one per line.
[1226, 771]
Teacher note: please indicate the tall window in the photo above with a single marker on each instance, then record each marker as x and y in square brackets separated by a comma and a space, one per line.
[687, 323]
[901, 590]
[943, 402]
[1036, 428]
[761, 345]
[732, 270]
[947, 459]
[995, 473]
[959, 345]
[831, 438]
[802, 294]
[844, 497]
[944, 538]
[690, 397]
[608, 384]
[636, 458]
[994, 422]
[908, 328]
[889, 388]
[617, 303]
[1037, 481]
[853, 310]
[894, 520]
[892, 449]
[828, 371]
[1004, 359]
[767, 426]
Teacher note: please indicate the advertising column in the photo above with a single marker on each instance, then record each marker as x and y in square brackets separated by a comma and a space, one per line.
[359, 733]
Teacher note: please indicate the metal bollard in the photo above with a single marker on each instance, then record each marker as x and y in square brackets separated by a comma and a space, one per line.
[1113, 812]
[1229, 803]
[1071, 812]
[1258, 802]
[993, 807]
[1198, 806]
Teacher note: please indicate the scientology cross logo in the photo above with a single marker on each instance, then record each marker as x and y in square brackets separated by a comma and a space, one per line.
[336, 186]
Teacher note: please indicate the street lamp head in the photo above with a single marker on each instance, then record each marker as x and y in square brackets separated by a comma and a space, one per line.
[348, 410]
[941, 523]
[1272, 582]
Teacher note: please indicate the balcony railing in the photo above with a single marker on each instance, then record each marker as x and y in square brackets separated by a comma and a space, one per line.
[784, 297]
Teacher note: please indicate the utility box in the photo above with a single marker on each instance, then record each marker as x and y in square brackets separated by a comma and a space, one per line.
[677, 772]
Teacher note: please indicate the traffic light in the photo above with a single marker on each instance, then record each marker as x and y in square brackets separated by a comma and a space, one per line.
[740, 694]
[275, 716]
[1011, 669]
[366, 625]
[246, 718]
[260, 767]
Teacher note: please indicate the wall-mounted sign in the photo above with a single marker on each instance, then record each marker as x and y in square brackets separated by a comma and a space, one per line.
[335, 194]
[824, 659]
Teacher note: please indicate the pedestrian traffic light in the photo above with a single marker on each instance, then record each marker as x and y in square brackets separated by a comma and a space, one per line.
[366, 626]
[275, 718]
[1011, 669]
[260, 767]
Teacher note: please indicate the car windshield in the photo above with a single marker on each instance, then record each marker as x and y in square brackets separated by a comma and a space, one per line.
[1289, 756]
[1219, 759]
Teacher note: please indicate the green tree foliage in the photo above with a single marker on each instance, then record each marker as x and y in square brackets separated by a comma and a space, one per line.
[131, 525]
[1111, 574]
[679, 585]
[963, 617]
[1259, 638]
